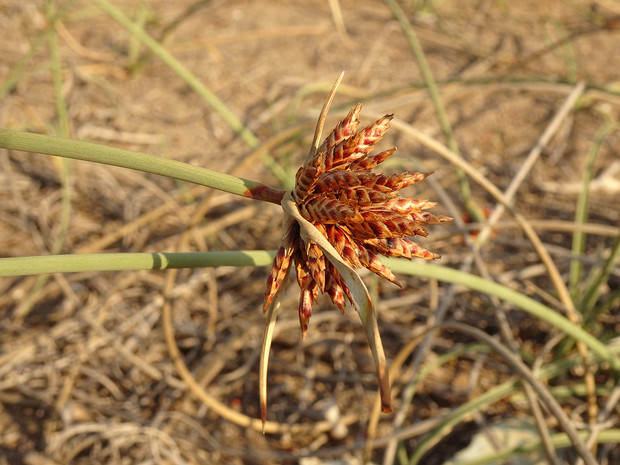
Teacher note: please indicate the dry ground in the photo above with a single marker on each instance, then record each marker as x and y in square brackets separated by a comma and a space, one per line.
[86, 376]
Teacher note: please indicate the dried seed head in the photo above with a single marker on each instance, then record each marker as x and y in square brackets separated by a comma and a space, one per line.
[358, 211]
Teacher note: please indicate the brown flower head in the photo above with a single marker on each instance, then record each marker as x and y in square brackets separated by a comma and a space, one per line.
[357, 210]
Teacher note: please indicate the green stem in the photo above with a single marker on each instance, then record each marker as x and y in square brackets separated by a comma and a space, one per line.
[524, 302]
[600, 278]
[581, 214]
[23, 266]
[17, 266]
[140, 161]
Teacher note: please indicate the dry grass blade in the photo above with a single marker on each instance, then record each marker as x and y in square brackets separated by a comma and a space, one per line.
[272, 315]
[321, 121]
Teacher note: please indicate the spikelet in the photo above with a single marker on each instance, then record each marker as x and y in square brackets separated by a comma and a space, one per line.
[281, 263]
[307, 175]
[357, 210]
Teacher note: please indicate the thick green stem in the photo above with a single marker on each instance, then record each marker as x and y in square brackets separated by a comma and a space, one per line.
[528, 304]
[22, 266]
[140, 161]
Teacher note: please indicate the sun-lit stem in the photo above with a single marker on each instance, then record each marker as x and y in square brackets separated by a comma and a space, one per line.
[88, 151]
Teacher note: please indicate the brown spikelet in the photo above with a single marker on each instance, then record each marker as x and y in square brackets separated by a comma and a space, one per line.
[371, 161]
[427, 218]
[315, 259]
[366, 139]
[328, 210]
[356, 147]
[342, 285]
[338, 156]
[335, 292]
[334, 181]
[362, 195]
[382, 223]
[281, 264]
[280, 267]
[343, 130]
[307, 174]
[400, 181]
[371, 261]
[308, 294]
[405, 206]
[399, 247]
[351, 252]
